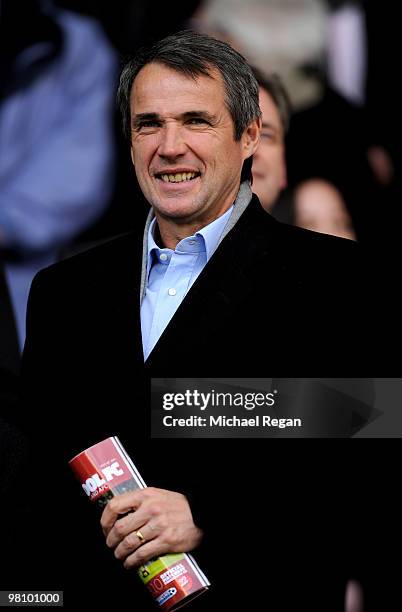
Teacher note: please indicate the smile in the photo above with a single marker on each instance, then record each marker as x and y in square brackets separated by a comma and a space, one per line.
[179, 177]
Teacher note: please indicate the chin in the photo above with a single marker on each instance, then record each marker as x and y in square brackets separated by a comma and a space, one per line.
[177, 211]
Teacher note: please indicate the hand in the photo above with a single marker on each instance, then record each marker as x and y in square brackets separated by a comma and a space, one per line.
[162, 517]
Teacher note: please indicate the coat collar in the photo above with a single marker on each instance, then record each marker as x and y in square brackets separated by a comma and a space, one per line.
[237, 263]
[243, 199]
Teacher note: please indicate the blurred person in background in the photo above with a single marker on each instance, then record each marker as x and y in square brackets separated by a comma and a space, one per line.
[318, 206]
[56, 103]
[327, 142]
[269, 163]
[315, 204]
[347, 130]
[361, 44]
[334, 56]
[57, 73]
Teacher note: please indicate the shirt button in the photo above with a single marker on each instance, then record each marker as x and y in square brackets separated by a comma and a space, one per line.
[172, 291]
[191, 241]
[163, 257]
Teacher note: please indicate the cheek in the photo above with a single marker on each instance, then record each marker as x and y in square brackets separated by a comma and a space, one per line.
[231, 158]
[214, 151]
[143, 152]
[275, 161]
[137, 156]
[201, 146]
[265, 155]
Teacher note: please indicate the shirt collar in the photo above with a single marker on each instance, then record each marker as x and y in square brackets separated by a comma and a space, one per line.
[212, 234]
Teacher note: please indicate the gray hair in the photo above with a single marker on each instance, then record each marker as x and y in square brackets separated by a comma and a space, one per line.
[194, 54]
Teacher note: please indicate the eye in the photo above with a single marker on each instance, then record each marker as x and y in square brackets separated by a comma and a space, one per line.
[148, 124]
[197, 121]
[270, 137]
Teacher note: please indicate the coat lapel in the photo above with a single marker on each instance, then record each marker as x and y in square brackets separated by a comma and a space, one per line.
[224, 283]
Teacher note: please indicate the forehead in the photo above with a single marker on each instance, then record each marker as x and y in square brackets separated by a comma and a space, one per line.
[160, 89]
[313, 206]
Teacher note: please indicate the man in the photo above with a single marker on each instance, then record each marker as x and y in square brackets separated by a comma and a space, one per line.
[315, 204]
[196, 299]
[269, 162]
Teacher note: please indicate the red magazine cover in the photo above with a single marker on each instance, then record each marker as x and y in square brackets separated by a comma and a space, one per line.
[105, 470]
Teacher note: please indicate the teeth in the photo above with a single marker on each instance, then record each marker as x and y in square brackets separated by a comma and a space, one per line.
[178, 178]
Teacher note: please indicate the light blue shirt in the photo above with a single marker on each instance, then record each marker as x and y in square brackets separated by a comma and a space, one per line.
[171, 274]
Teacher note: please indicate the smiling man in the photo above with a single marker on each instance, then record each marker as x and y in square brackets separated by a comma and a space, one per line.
[211, 281]
[183, 148]
[188, 161]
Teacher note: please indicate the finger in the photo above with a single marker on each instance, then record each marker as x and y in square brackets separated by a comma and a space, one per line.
[126, 525]
[121, 504]
[354, 597]
[133, 541]
[146, 552]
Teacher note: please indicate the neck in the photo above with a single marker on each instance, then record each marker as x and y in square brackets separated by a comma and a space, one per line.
[170, 232]
[169, 235]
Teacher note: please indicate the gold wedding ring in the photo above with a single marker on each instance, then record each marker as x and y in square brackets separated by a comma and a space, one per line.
[140, 536]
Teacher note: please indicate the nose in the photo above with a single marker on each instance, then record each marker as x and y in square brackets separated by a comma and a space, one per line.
[171, 143]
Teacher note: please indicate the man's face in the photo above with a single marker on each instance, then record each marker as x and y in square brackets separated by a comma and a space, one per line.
[269, 168]
[187, 162]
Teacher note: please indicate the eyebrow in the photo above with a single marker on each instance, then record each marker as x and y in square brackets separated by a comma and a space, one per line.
[199, 114]
[138, 119]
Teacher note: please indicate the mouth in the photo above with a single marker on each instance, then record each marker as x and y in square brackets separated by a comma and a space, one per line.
[182, 176]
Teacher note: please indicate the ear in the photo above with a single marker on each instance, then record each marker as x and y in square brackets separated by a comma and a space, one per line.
[251, 137]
